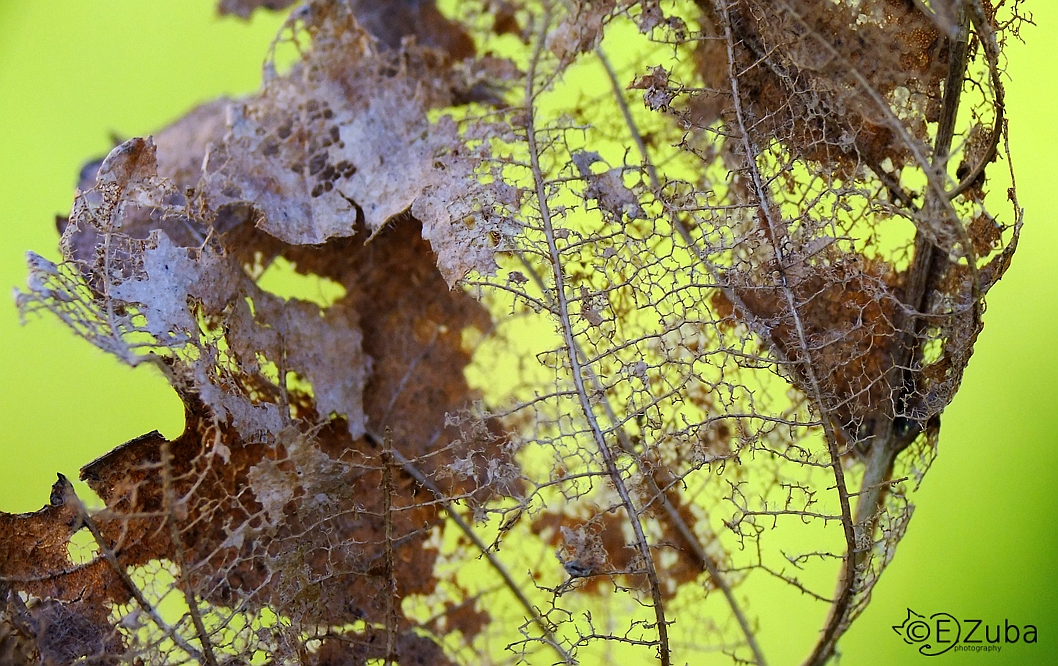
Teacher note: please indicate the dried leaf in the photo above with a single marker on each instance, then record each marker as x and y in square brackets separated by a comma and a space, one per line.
[723, 360]
[243, 8]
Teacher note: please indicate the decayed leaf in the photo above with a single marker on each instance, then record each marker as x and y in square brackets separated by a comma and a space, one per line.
[270, 497]
[390, 21]
[67, 615]
[607, 188]
[344, 139]
[355, 649]
[393, 21]
[675, 368]
[412, 330]
[293, 524]
[956, 328]
[580, 30]
[847, 306]
[276, 516]
[825, 67]
[243, 8]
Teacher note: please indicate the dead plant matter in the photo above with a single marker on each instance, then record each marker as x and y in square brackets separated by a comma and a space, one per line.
[650, 311]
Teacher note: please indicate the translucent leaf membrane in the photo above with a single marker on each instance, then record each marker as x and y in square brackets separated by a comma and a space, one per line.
[644, 316]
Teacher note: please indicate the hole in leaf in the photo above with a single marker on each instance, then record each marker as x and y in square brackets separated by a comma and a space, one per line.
[282, 279]
[82, 547]
[932, 351]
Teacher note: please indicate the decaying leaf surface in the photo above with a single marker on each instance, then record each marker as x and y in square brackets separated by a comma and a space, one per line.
[270, 500]
[243, 8]
[712, 308]
[294, 524]
[344, 139]
[66, 617]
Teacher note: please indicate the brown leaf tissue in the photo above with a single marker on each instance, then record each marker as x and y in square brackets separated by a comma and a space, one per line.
[649, 309]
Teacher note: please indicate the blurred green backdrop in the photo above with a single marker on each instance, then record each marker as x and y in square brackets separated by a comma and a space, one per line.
[984, 540]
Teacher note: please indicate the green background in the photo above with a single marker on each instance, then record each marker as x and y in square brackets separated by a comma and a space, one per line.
[984, 539]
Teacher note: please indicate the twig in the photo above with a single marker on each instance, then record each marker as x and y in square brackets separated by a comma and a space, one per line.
[686, 533]
[991, 49]
[849, 575]
[575, 364]
[390, 581]
[183, 580]
[112, 559]
[501, 569]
